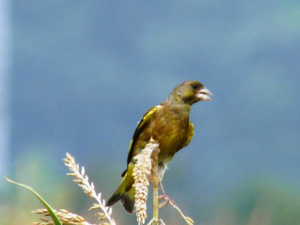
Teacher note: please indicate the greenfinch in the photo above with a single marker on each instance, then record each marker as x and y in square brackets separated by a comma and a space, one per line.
[168, 123]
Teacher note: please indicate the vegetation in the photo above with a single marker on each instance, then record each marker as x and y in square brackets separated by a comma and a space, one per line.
[144, 171]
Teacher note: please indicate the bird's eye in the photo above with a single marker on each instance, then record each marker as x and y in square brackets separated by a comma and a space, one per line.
[195, 86]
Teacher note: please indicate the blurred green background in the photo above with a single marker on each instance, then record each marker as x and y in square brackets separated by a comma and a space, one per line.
[82, 73]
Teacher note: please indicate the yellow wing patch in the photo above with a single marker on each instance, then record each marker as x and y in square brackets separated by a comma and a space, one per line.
[141, 125]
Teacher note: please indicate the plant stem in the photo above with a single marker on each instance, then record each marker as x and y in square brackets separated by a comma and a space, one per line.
[155, 205]
[155, 188]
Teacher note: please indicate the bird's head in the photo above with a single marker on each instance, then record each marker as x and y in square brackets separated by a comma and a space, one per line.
[190, 92]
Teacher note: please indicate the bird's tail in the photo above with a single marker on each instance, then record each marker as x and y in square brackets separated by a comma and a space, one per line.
[125, 191]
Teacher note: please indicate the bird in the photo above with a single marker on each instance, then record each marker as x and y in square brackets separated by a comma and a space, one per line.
[167, 123]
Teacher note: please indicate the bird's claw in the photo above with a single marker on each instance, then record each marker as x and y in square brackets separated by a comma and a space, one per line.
[164, 197]
[166, 202]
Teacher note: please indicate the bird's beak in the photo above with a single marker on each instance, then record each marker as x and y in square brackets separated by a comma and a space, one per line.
[202, 94]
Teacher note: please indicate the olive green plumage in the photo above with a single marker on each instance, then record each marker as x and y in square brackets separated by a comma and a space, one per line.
[169, 125]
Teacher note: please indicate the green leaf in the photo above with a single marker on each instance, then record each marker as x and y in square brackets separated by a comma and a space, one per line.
[47, 206]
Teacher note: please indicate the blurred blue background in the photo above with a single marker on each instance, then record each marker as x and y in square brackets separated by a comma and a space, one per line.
[82, 73]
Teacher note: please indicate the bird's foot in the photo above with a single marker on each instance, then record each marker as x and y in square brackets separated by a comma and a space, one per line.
[164, 197]
[165, 202]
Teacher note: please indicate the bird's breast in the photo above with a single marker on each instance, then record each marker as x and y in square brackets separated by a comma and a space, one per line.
[170, 131]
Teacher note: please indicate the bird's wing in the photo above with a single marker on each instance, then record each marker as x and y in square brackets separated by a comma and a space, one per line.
[140, 127]
[189, 135]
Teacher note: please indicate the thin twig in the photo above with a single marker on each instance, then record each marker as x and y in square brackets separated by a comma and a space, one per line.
[187, 219]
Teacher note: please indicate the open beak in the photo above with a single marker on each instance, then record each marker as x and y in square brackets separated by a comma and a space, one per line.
[202, 94]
